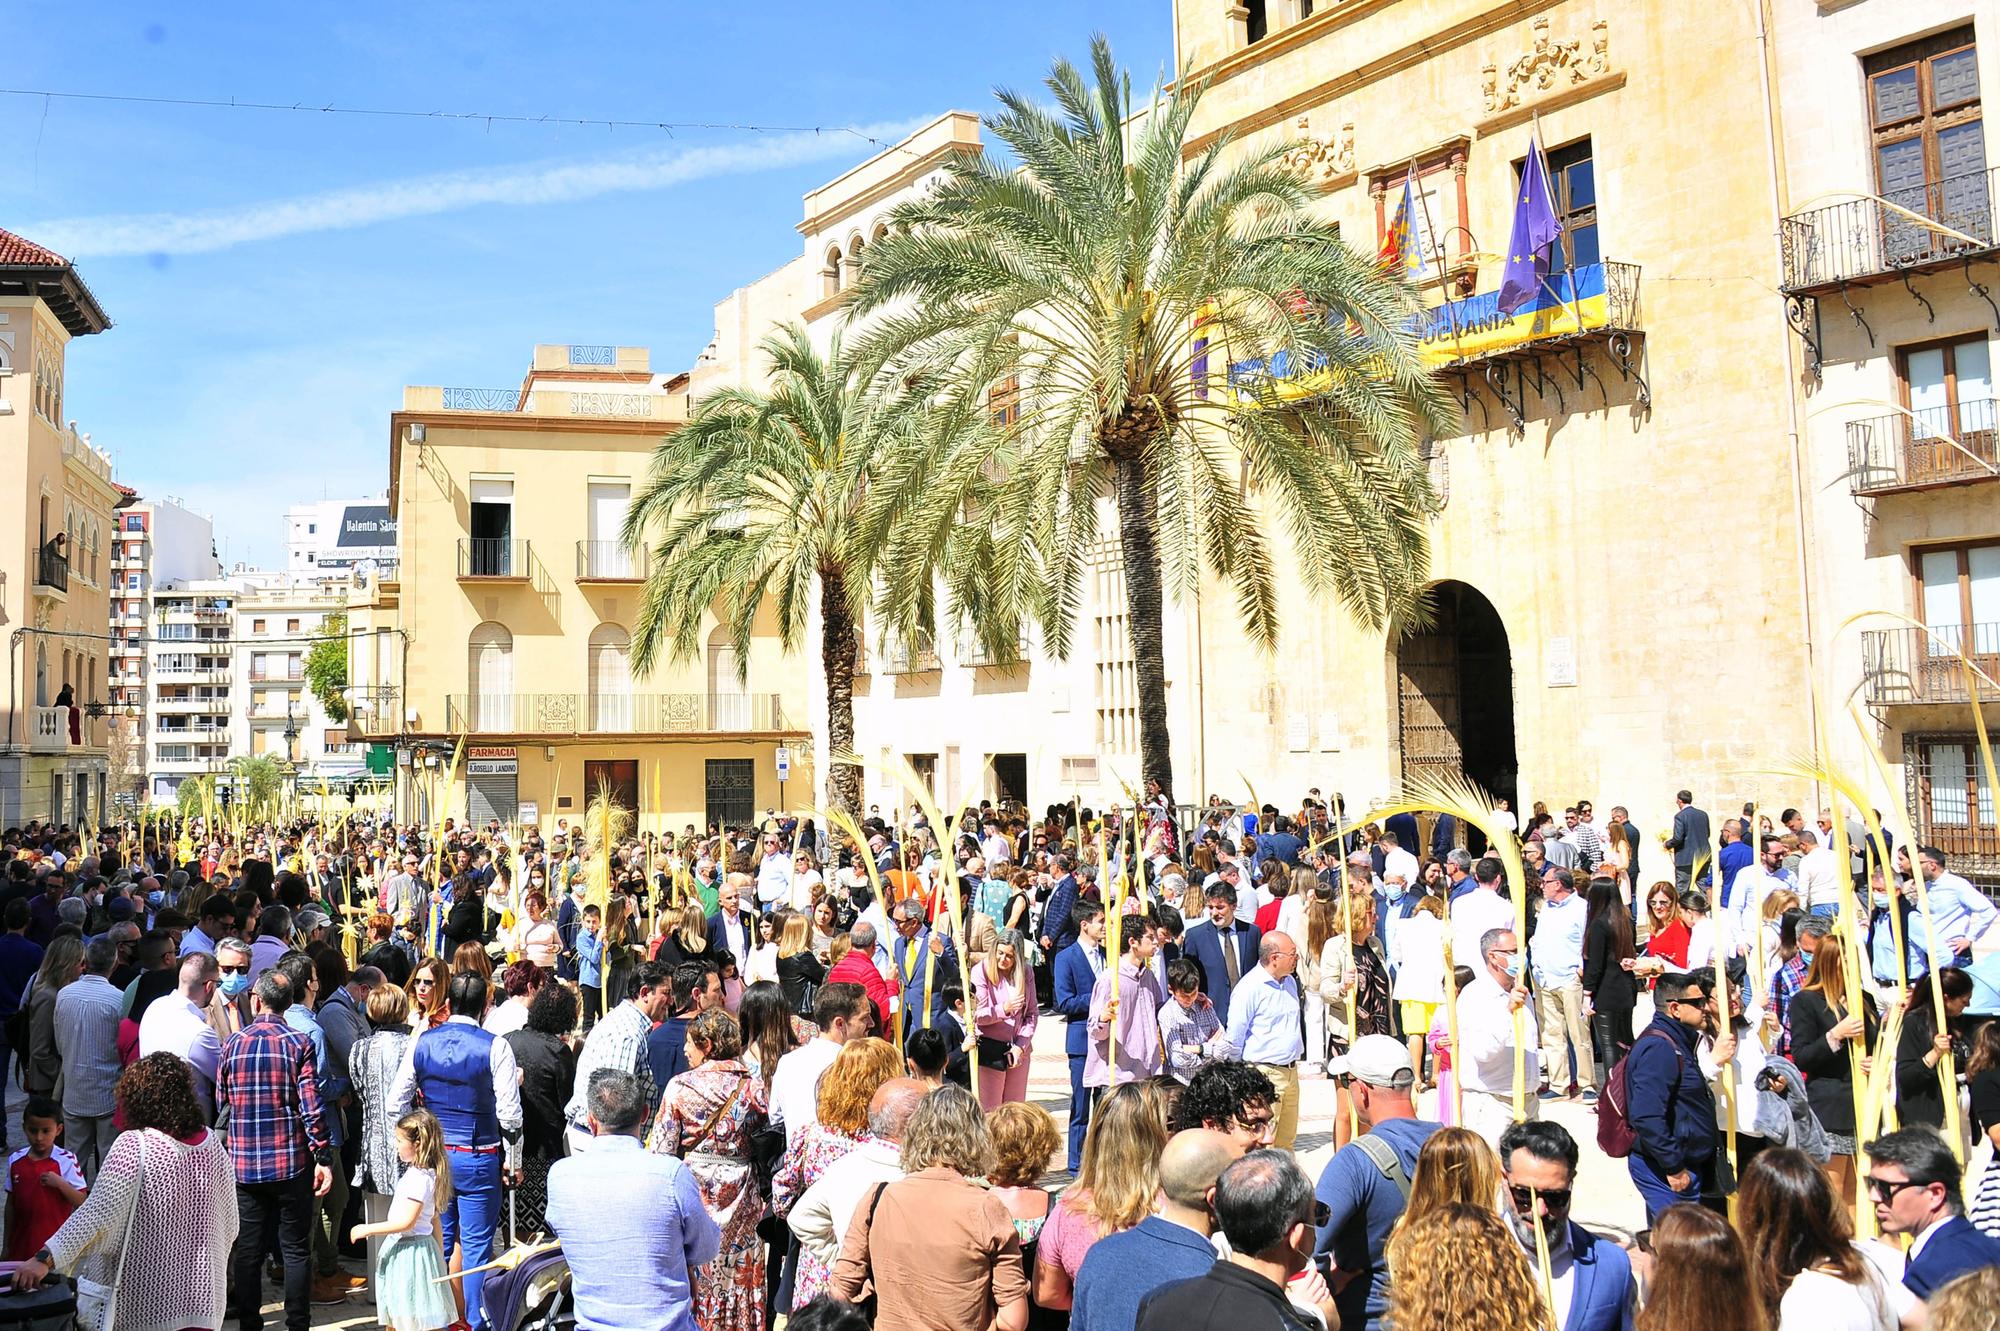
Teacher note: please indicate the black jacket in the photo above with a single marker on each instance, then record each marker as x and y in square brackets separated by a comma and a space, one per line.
[1610, 986]
[548, 1076]
[1829, 1074]
[1228, 1298]
[795, 973]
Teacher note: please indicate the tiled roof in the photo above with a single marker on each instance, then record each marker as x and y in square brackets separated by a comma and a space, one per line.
[20, 251]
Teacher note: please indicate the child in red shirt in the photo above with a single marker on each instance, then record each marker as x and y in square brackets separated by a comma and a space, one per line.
[44, 1183]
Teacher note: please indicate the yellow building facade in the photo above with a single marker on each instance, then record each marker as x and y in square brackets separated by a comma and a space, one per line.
[508, 626]
[57, 513]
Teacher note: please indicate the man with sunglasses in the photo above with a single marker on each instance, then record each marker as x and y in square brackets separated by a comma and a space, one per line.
[1913, 1179]
[1667, 1100]
[1589, 1278]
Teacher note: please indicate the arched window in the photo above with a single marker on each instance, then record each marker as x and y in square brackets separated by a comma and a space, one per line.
[728, 696]
[852, 271]
[490, 677]
[610, 672]
[829, 276]
[881, 233]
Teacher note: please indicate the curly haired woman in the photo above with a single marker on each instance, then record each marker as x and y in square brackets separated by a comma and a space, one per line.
[1460, 1266]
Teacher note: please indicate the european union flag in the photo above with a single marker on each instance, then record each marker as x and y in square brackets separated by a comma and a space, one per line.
[1536, 227]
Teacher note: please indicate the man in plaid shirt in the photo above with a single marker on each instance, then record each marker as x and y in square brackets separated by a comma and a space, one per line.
[282, 1153]
[1789, 978]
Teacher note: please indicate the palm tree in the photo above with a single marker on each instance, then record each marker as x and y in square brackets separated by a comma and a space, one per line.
[758, 496]
[1098, 276]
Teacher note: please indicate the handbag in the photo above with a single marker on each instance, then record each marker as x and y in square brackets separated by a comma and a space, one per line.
[97, 1304]
[993, 1053]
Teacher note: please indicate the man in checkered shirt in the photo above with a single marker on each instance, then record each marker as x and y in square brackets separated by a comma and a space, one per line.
[279, 1144]
[618, 1043]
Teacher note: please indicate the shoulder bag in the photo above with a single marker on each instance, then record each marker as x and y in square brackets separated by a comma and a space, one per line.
[97, 1304]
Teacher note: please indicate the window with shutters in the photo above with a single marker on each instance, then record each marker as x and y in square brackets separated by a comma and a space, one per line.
[1928, 133]
[610, 675]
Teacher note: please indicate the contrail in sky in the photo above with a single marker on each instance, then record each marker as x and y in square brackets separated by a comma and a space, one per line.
[424, 196]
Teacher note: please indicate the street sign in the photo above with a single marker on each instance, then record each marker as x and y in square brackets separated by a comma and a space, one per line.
[784, 762]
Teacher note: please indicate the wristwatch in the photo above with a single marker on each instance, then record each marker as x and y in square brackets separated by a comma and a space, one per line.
[46, 1258]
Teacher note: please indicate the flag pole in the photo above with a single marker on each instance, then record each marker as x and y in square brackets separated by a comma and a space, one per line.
[1569, 269]
[1444, 303]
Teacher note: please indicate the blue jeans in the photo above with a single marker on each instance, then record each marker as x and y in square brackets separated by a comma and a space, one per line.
[1827, 911]
[1079, 1112]
[471, 1218]
[1653, 1189]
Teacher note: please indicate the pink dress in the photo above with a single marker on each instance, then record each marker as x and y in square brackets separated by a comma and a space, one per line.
[1439, 1039]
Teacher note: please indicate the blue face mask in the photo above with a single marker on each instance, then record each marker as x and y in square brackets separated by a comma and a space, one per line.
[156, 898]
[233, 986]
[1394, 891]
[1514, 967]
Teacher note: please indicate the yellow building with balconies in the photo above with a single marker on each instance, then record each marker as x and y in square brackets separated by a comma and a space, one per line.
[56, 526]
[509, 624]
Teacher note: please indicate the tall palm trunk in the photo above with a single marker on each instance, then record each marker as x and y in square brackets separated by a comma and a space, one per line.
[1138, 547]
[843, 780]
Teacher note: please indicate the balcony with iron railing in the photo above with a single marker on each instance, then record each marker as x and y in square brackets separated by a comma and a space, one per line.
[1912, 665]
[205, 731]
[609, 561]
[607, 713]
[259, 675]
[972, 652]
[903, 658]
[493, 559]
[51, 571]
[1865, 240]
[1922, 450]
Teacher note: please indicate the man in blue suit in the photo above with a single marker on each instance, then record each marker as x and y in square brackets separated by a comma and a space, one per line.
[1223, 946]
[1914, 1179]
[1077, 969]
[924, 959]
[1538, 1159]
[1059, 921]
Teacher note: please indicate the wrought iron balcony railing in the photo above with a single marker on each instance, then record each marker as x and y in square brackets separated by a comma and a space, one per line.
[492, 557]
[1922, 449]
[1861, 240]
[1910, 665]
[51, 568]
[972, 652]
[609, 713]
[609, 561]
[905, 659]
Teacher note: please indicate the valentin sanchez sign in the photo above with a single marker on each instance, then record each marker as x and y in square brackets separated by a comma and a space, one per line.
[367, 527]
[1566, 304]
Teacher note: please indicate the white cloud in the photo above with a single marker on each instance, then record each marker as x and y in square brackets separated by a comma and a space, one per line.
[388, 201]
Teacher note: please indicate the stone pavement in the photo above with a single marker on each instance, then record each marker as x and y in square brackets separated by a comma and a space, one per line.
[1605, 1199]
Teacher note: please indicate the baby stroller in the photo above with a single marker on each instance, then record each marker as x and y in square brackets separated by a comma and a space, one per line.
[528, 1290]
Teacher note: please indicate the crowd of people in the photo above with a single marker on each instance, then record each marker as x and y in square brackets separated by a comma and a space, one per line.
[775, 1072]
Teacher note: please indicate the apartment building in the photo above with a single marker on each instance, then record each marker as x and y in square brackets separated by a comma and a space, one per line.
[508, 624]
[340, 538]
[57, 519]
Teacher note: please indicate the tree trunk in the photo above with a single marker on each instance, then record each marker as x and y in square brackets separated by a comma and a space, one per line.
[843, 780]
[1138, 546]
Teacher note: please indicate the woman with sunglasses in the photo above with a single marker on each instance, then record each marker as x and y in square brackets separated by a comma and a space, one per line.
[426, 992]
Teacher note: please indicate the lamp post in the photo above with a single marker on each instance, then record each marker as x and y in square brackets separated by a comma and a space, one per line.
[291, 743]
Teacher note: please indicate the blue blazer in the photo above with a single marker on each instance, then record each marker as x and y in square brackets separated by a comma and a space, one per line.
[1953, 1249]
[1601, 1295]
[913, 993]
[1404, 907]
[1074, 981]
[1204, 943]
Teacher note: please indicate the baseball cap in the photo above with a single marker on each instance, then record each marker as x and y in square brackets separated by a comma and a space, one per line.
[1379, 1060]
[310, 920]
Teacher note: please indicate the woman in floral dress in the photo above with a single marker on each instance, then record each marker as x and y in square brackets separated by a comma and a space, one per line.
[844, 1092]
[706, 1117]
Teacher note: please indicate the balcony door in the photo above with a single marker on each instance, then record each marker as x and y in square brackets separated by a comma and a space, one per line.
[1930, 142]
[491, 519]
[728, 699]
[606, 556]
[1960, 587]
[610, 680]
[490, 678]
[1952, 417]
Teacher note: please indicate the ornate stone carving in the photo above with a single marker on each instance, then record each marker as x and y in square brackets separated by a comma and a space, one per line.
[1320, 160]
[1547, 66]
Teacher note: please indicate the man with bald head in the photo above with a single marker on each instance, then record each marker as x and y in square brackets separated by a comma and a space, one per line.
[819, 1221]
[1171, 1244]
[1264, 1026]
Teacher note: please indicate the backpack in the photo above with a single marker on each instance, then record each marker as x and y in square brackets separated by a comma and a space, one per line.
[1614, 1124]
[1386, 1160]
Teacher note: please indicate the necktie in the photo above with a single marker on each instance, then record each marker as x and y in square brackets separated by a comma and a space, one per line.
[1230, 961]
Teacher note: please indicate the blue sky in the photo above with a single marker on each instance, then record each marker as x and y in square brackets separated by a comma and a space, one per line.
[275, 277]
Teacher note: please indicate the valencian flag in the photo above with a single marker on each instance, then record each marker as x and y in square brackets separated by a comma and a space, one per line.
[1536, 227]
[1399, 245]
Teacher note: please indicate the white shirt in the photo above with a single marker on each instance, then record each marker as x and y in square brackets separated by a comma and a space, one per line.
[506, 1090]
[1825, 1302]
[1701, 946]
[998, 850]
[420, 1186]
[1416, 952]
[761, 964]
[1747, 895]
[511, 1015]
[735, 939]
[774, 878]
[173, 1025]
[803, 883]
[1819, 878]
[1748, 1062]
[819, 1221]
[795, 1085]
[1486, 1040]
[1479, 910]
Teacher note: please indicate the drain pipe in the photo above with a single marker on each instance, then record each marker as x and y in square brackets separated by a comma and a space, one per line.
[1800, 466]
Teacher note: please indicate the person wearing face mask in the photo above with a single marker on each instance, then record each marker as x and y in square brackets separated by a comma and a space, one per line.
[229, 1008]
[178, 1024]
[1557, 954]
[1669, 1105]
[1485, 1064]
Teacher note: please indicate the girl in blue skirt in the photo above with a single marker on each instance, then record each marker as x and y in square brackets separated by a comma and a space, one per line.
[408, 1295]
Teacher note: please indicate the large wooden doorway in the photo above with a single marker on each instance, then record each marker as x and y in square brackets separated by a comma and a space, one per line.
[1455, 694]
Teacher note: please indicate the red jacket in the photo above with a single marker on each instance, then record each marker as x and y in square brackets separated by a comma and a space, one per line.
[856, 968]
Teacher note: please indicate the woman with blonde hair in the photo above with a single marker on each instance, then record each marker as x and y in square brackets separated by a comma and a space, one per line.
[1458, 1266]
[1004, 1016]
[845, 1089]
[1454, 1167]
[1315, 922]
[61, 964]
[800, 973]
[1114, 1190]
[1823, 1021]
[1348, 964]
[688, 941]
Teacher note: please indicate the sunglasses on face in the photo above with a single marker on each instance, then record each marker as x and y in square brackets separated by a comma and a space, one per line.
[236, 970]
[1884, 1190]
[1556, 1199]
